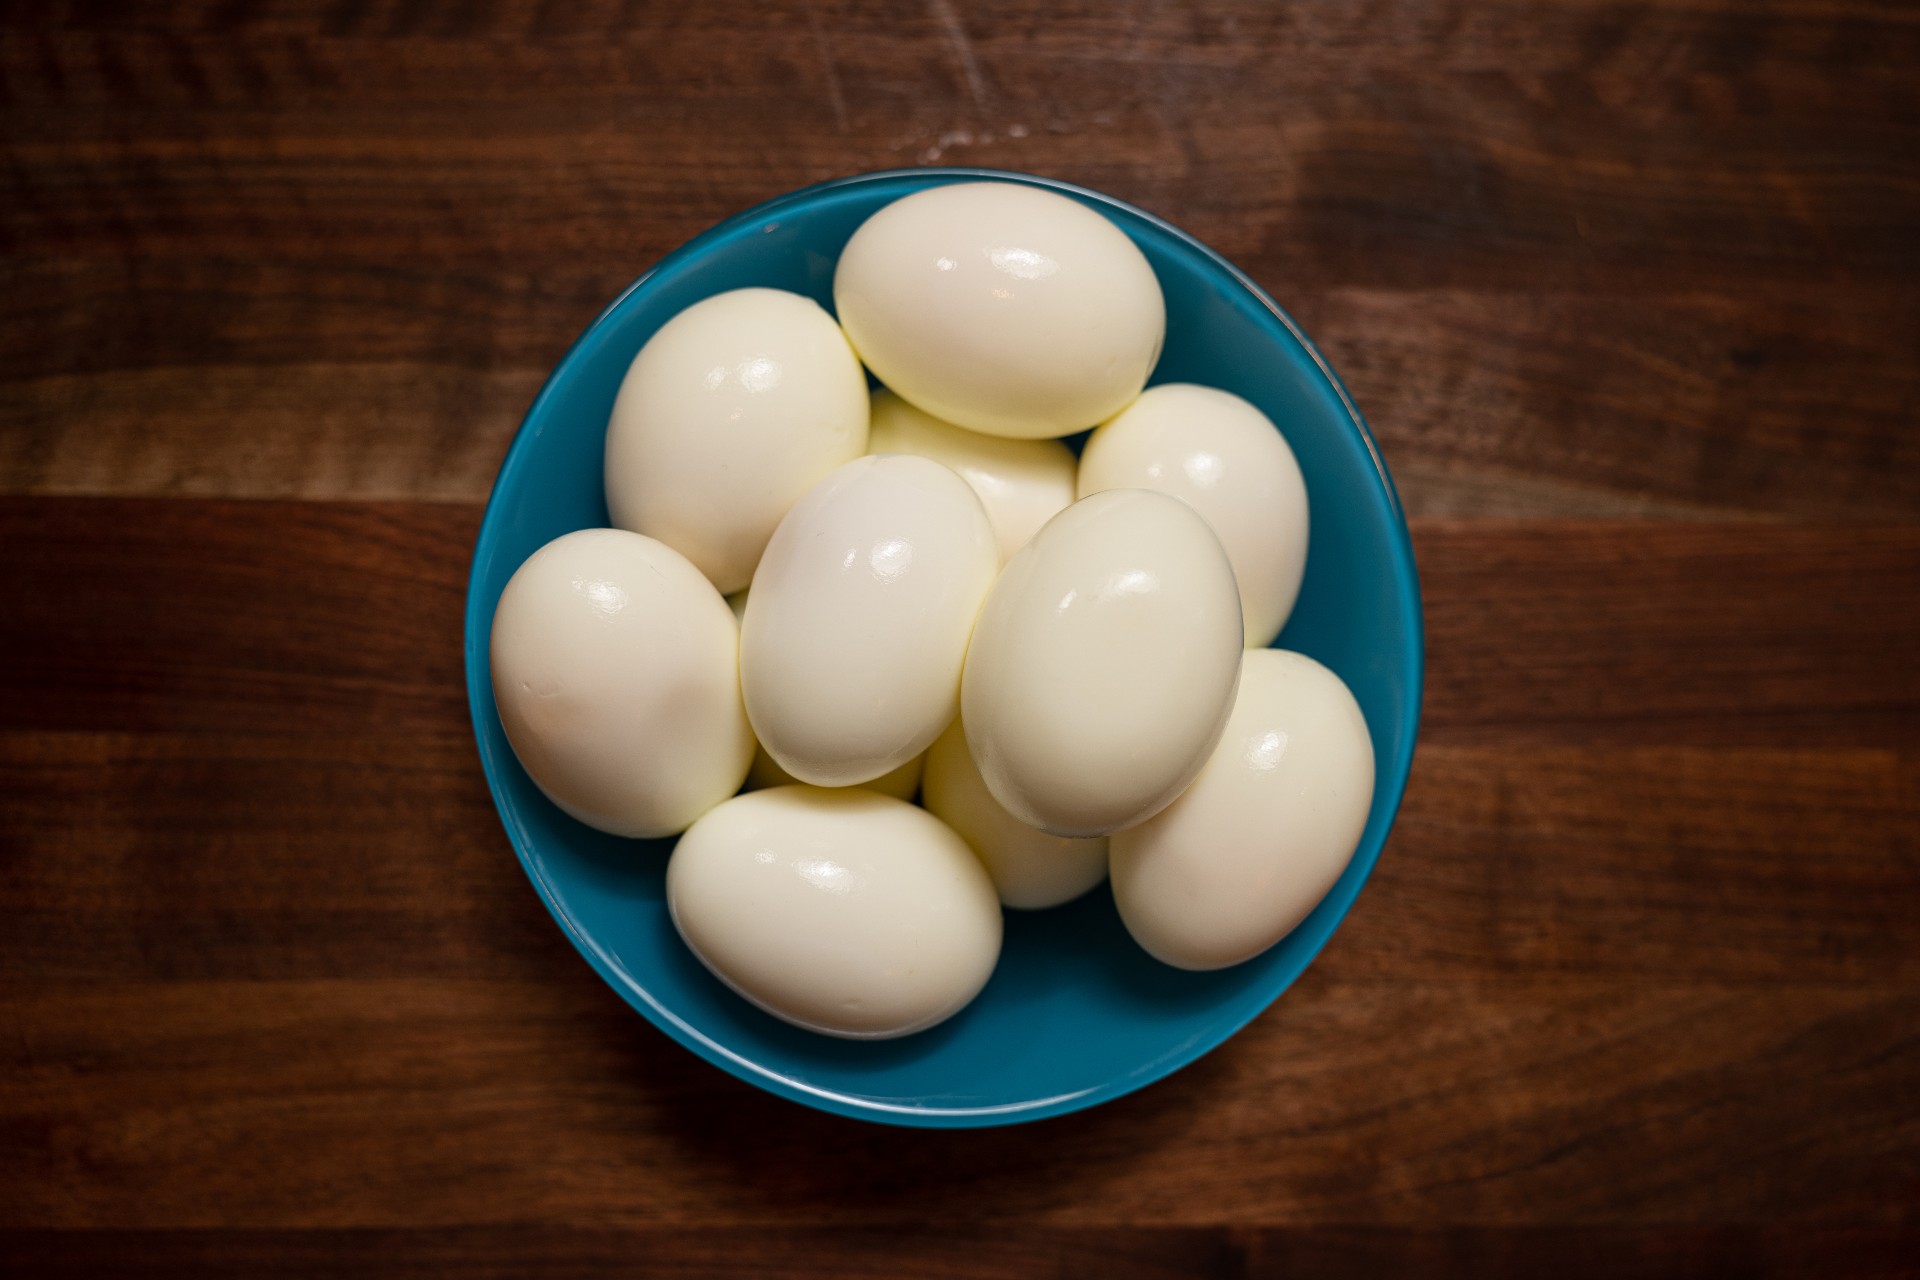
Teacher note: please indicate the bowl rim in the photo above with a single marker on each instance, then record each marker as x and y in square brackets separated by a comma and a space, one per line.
[477, 625]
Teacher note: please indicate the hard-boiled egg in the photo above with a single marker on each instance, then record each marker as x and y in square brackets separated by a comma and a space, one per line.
[614, 672]
[1030, 868]
[766, 772]
[901, 784]
[857, 623]
[735, 408]
[841, 911]
[1230, 868]
[1022, 483]
[1002, 308]
[1103, 664]
[1223, 457]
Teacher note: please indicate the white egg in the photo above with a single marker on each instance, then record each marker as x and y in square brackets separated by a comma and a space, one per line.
[857, 623]
[1030, 868]
[614, 671]
[735, 408]
[1103, 664]
[901, 784]
[1224, 458]
[1022, 483]
[1232, 866]
[1002, 308]
[843, 911]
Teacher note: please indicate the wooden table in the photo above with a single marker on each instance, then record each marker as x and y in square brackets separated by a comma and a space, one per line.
[1631, 294]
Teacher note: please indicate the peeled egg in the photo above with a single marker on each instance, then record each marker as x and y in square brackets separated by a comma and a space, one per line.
[735, 408]
[1022, 483]
[844, 912]
[1103, 664]
[614, 671]
[1222, 457]
[1030, 868]
[1002, 308]
[901, 784]
[857, 623]
[1232, 866]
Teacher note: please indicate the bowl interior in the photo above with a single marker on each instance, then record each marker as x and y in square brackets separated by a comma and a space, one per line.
[1075, 1013]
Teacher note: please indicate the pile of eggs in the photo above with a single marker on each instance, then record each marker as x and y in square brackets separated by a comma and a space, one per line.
[848, 599]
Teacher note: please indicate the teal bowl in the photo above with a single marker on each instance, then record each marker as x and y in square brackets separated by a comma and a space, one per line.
[1076, 1014]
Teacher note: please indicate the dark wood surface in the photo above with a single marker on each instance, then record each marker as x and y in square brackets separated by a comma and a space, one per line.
[1631, 295]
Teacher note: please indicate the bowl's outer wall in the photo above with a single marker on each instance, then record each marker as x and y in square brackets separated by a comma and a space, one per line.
[1075, 1013]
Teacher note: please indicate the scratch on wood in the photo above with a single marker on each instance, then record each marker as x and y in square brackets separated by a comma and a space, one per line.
[836, 95]
[962, 48]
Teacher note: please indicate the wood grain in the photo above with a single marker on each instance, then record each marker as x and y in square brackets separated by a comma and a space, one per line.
[423, 1101]
[1345, 149]
[1630, 293]
[147, 614]
[1043, 1253]
[1602, 259]
[191, 379]
[1625, 961]
[237, 856]
[1586, 633]
[297, 618]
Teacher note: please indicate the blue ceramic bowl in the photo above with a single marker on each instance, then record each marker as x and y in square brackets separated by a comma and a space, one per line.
[1076, 1013]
